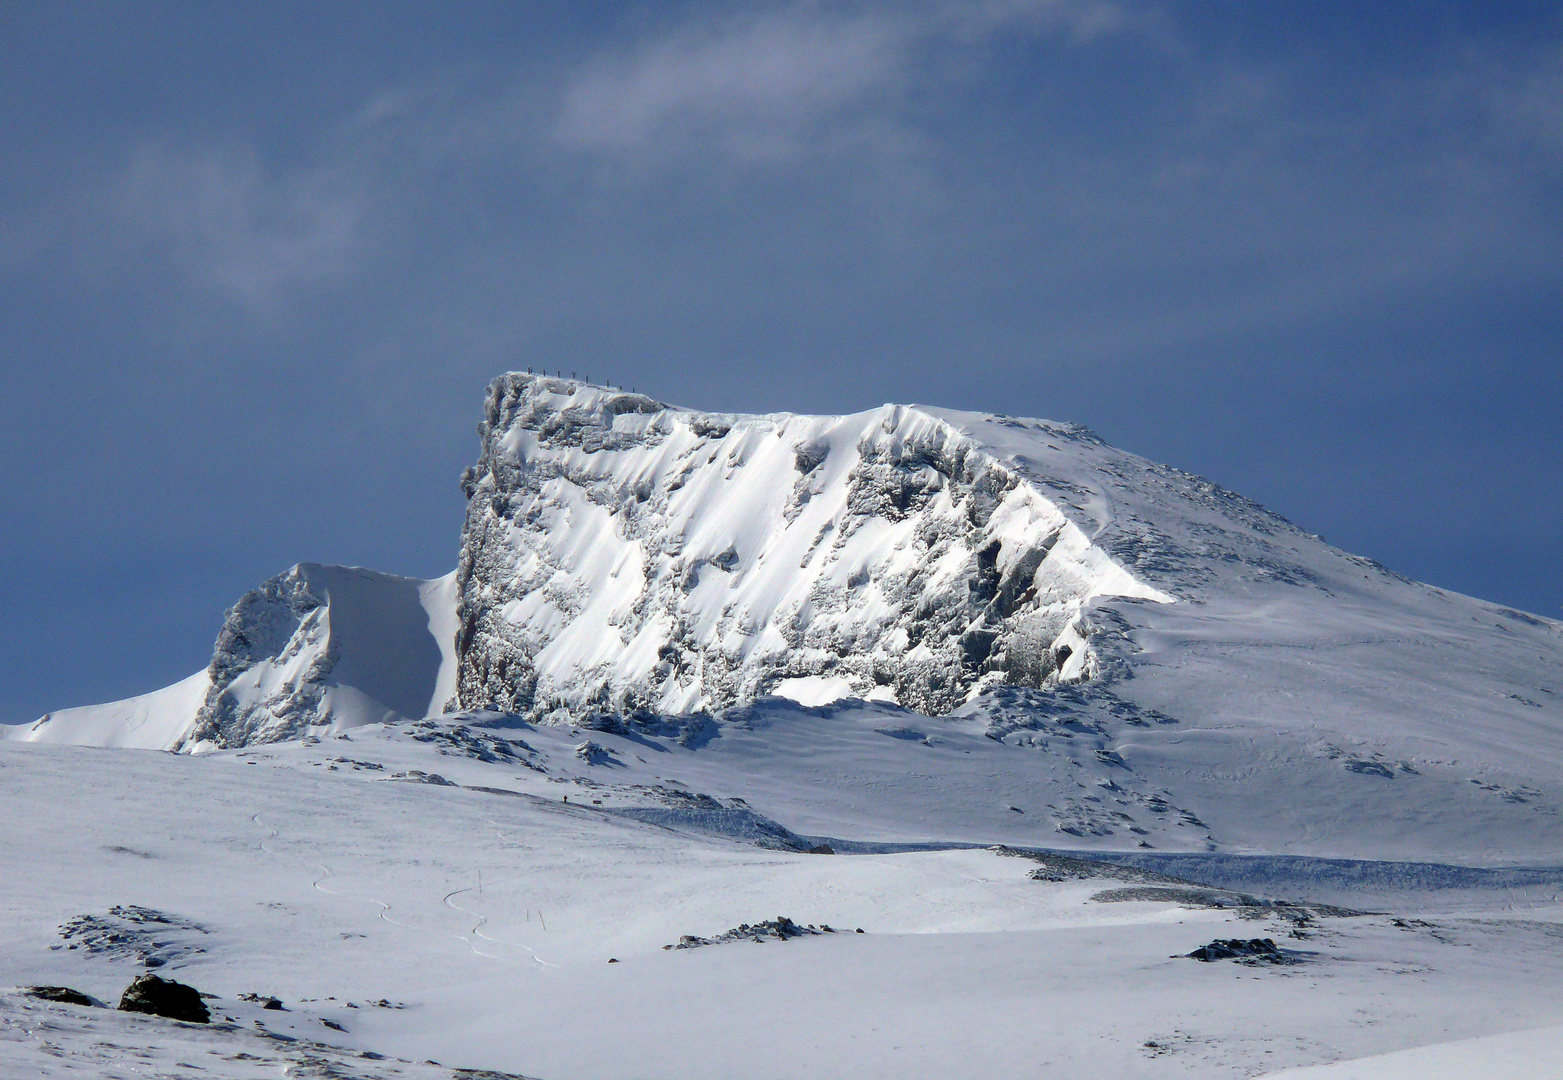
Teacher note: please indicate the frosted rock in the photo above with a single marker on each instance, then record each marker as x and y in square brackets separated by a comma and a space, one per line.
[621, 555]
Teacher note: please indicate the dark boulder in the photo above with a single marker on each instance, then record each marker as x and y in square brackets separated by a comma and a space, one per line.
[63, 994]
[1254, 949]
[164, 997]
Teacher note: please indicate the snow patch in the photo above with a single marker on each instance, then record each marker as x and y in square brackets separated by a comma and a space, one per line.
[814, 689]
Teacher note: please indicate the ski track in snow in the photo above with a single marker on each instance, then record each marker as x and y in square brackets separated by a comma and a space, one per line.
[477, 931]
[384, 913]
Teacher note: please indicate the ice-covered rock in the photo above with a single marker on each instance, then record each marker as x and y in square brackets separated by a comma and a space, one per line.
[620, 554]
[322, 645]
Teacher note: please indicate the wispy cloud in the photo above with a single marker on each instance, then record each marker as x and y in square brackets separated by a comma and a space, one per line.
[764, 84]
[756, 82]
[234, 225]
[1229, 171]
[1082, 21]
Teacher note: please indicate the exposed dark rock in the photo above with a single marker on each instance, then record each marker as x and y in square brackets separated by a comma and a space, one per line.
[1187, 897]
[1251, 951]
[265, 1001]
[462, 739]
[130, 932]
[822, 849]
[165, 997]
[63, 994]
[780, 928]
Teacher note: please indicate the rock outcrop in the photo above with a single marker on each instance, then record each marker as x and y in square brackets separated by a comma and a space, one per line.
[627, 565]
[622, 555]
[318, 645]
[165, 997]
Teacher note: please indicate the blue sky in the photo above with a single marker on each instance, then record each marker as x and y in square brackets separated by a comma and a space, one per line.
[257, 263]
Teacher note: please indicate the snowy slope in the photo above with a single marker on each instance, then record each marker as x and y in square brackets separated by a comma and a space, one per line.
[619, 553]
[156, 721]
[813, 667]
[454, 892]
[1536, 1054]
[1137, 626]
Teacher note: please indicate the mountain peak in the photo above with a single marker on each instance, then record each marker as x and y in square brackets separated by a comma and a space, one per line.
[621, 554]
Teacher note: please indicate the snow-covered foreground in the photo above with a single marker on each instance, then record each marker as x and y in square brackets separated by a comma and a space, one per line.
[1538, 1052]
[429, 890]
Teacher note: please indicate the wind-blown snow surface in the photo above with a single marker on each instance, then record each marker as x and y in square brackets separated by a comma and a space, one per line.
[427, 889]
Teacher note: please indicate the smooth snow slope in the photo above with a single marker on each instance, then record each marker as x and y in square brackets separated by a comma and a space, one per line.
[156, 721]
[1534, 1055]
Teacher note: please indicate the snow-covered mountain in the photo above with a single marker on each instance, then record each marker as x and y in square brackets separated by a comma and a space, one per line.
[1064, 719]
[622, 555]
[1168, 651]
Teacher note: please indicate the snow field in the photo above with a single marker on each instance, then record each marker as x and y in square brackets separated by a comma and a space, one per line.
[492, 918]
[1536, 1055]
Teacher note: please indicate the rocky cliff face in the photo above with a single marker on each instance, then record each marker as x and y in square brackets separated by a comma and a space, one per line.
[619, 554]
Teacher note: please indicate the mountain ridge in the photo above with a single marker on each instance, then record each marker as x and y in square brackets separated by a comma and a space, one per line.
[1175, 663]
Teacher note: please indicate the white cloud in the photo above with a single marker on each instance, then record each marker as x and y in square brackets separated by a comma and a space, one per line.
[755, 80]
[763, 84]
[236, 227]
